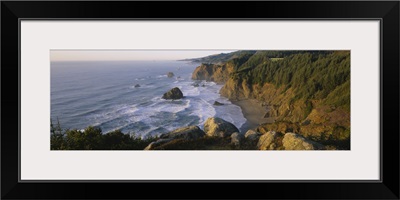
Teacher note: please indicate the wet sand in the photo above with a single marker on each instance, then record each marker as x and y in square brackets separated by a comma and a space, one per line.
[254, 112]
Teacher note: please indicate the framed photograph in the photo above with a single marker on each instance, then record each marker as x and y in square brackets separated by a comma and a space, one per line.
[301, 98]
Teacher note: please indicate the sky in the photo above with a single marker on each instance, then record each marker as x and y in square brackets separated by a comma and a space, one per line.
[123, 55]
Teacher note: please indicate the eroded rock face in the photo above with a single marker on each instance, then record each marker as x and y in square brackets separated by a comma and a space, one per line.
[184, 133]
[218, 127]
[174, 93]
[212, 72]
[268, 141]
[292, 141]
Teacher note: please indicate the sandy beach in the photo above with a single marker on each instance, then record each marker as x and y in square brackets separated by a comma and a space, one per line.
[254, 112]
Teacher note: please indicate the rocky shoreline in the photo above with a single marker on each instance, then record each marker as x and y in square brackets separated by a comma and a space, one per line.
[254, 112]
[219, 134]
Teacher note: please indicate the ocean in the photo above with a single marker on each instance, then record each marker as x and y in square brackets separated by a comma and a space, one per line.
[103, 94]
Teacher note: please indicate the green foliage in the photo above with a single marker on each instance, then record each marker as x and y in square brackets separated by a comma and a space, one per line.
[340, 96]
[223, 57]
[311, 74]
[93, 139]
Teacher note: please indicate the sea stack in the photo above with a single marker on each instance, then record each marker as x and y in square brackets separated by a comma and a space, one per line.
[170, 74]
[174, 93]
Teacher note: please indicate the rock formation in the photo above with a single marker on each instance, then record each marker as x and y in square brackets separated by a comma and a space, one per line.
[237, 138]
[216, 103]
[217, 127]
[170, 74]
[174, 93]
[182, 134]
[292, 141]
[212, 72]
[252, 135]
[268, 141]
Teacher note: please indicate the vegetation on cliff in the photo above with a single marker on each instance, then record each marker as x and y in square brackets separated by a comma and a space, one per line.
[305, 89]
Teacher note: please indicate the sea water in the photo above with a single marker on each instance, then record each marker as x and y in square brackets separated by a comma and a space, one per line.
[103, 94]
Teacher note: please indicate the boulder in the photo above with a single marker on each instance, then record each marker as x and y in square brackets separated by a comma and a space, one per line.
[195, 84]
[216, 103]
[236, 138]
[137, 85]
[170, 74]
[218, 127]
[174, 93]
[252, 135]
[293, 141]
[267, 141]
[185, 134]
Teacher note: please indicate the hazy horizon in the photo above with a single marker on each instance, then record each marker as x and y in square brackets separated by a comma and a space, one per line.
[129, 55]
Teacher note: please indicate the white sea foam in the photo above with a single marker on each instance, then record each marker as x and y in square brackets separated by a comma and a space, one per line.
[144, 86]
[142, 110]
[171, 107]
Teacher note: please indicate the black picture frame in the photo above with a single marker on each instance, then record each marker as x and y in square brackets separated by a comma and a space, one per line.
[386, 11]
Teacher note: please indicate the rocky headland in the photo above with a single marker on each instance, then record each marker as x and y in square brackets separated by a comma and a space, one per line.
[306, 93]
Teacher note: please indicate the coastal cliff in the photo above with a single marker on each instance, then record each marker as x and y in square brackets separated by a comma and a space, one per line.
[306, 92]
[213, 72]
[292, 100]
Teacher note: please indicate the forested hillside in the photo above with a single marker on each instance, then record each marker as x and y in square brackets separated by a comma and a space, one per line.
[306, 91]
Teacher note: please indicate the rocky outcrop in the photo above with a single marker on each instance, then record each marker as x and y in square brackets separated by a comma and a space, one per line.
[170, 74]
[236, 89]
[268, 141]
[182, 134]
[281, 127]
[174, 93]
[187, 133]
[237, 139]
[277, 99]
[137, 85]
[216, 103]
[212, 72]
[217, 127]
[292, 141]
[252, 135]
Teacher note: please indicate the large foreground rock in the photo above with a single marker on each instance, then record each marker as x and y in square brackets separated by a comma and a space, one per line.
[174, 93]
[185, 133]
[268, 141]
[292, 141]
[218, 127]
